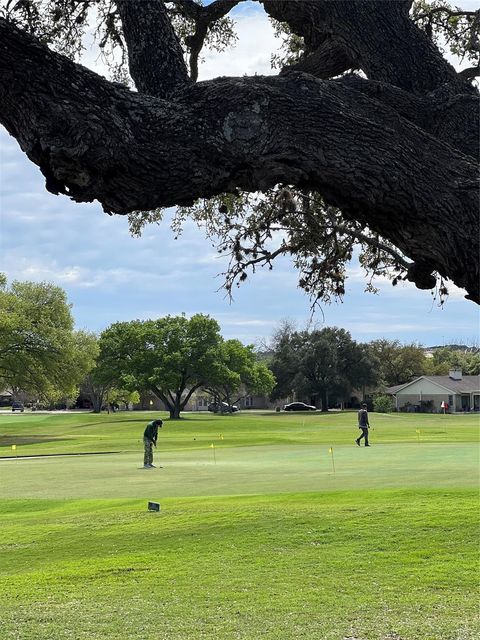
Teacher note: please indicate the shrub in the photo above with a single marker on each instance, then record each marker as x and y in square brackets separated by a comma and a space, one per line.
[383, 404]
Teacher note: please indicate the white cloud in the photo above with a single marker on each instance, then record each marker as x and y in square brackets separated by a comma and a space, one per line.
[250, 55]
[235, 321]
[385, 327]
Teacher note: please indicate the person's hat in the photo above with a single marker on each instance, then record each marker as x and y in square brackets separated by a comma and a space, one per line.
[159, 422]
[364, 406]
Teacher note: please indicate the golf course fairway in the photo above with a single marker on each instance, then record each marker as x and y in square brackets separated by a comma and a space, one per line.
[270, 526]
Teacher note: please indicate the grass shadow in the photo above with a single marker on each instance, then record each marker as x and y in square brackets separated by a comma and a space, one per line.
[8, 440]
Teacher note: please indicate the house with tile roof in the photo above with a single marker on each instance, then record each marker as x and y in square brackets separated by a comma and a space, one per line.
[430, 394]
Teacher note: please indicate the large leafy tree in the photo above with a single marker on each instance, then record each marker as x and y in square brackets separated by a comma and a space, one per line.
[96, 389]
[40, 353]
[102, 384]
[397, 362]
[99, 380]
[323, 365]
[172, 357]
[469, 363]
[238, 374]
[367, 135]
[283, 358]
[332, 364]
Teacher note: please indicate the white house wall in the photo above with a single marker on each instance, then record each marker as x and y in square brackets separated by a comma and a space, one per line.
[425, 390]
[414, 399]
[425, 387]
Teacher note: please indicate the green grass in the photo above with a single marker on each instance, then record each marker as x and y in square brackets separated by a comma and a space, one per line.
[263, 542]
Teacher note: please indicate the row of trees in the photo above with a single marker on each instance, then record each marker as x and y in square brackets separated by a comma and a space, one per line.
[326, 366]
[40, 352]
[41, 355]
[173, 357]
[323, 365]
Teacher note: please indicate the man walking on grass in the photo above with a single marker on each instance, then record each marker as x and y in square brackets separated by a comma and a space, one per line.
[363, 424]
[149, 441]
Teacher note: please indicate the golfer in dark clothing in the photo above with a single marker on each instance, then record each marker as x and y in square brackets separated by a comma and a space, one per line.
[149, 441]
[363, 424]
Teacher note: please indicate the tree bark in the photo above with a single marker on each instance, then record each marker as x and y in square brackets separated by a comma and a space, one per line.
[324, 397]
[154, 52]
[96, 140]
[381, 38]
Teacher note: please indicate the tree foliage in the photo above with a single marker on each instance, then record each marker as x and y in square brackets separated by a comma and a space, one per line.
[397, 362]
[171, 357]
[383, 404]
[321, 365]
[365, 142]
[451, 28]
[238, 374]
[40, 353]
[445, 359]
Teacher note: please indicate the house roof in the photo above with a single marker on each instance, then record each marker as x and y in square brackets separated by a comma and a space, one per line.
[466, 385]
[393, 390]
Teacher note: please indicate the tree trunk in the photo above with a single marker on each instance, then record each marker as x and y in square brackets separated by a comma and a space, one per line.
[324, 396]
[97, 404]
[174, 412]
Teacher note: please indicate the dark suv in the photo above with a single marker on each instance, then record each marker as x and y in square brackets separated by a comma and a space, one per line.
[18, 406]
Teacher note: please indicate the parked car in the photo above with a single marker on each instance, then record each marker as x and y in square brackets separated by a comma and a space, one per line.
[18, 406]
[299, 406]
[223, 407]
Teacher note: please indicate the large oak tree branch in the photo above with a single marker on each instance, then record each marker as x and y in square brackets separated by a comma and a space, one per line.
[331, 59]
[97, 140]
[450, 114]
[387, 45]
[470, 73]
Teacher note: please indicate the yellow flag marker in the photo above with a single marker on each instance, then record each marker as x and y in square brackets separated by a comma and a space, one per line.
[330, 451]
[14, 447]
[417, 431]
[221, 437]
[212, 446]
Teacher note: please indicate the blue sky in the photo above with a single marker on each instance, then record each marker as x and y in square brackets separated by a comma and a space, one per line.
[110, 276]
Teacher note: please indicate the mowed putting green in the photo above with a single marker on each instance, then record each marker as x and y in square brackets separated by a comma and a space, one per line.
[283, 529]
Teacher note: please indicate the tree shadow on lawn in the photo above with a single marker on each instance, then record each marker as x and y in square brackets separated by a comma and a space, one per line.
[105, 422]
[8, 440]
[318, 413]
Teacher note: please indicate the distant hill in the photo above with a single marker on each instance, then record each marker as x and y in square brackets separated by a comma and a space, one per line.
[454, 347]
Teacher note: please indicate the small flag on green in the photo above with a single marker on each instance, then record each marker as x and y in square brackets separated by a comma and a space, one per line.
[14, 447]
[330, 451]
[417, 430]
[212, 446]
